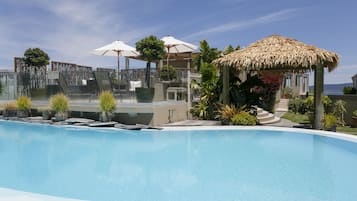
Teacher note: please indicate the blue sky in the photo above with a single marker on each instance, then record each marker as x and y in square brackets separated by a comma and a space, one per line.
[69, 30]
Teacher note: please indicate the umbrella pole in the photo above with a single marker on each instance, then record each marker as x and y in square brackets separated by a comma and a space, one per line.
[118, 65]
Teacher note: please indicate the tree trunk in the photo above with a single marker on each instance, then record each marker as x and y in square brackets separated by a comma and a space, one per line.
[147, 74]
[318, 96]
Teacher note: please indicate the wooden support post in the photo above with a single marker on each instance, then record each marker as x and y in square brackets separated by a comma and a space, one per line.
[225, 85]
[318, 97]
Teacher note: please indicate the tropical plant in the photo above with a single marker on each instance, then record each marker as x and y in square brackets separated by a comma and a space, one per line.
[329, 121]
[207, 55]
[287, 92]
[168, 73]
[339, 110]
[297, 105]
[150, 48]
[208, 73]
[23, 103]
[1, 87]
[226, 112]
[227, 50]
[244, 118]
[354, 113]
[59, 103]
[107, 104]
[107, 101]
[349, 90]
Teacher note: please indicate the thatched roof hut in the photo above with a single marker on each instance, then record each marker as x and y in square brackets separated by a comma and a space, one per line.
[283, 54]
[278, 52]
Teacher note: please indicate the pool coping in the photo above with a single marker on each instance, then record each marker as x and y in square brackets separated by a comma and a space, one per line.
[16, 195]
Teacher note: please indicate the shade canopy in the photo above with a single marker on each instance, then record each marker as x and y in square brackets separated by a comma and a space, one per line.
[173, 45]
[116, 48]
[281, 53]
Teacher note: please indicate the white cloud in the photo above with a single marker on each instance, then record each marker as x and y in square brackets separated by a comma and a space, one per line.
[239, 25]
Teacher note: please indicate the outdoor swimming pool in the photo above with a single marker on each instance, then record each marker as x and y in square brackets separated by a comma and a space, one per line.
[216, 165]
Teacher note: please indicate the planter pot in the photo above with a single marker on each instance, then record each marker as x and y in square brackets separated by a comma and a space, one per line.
[105, 116]
[22, 113]
[10, 113]
[354, 122]
[61, 116]
[144, 95]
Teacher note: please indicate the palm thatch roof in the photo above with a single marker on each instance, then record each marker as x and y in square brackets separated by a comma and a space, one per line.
[280, 53]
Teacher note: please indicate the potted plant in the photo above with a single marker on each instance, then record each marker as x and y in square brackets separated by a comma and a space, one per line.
[168, 73]
[10, 109]
[329, 122]
[23, 104]
[59, 104]
[107, 105]
[354, 119]
[150, 49]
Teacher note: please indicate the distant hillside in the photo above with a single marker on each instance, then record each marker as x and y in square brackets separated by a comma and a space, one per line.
[333, 89]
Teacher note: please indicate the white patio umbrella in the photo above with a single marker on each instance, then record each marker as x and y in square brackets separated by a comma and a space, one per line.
[174, 45]
[117, 48]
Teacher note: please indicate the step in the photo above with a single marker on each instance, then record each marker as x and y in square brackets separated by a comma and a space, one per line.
[274, 120]
[262, 114]
[266, 118]
[280, 109]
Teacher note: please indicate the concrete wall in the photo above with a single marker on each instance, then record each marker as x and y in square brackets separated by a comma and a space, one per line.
[351, 104]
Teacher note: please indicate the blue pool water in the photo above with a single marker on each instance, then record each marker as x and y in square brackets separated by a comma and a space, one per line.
[217, 165]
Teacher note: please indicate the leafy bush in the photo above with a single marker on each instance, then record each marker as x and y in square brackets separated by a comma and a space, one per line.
[328, 121]
[327, 102]
[339, 110]
[349, 90]
[297, 105]
[244, 118]
[107, 101]
[23, 103]
[59, 102]
[354, 113]
[226, 112]
[168, 73]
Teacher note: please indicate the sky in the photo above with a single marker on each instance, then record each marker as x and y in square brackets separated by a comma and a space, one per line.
[68, 30]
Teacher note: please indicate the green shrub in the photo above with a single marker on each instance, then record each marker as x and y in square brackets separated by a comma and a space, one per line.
[309, 103]
[59, 102]
[23, 103]
[297, 105]
[354, 113]
[168, 73]
[349, 90]
[328, 121]
[244, 118]
[339, 109]
[107, 101]
[287, 92]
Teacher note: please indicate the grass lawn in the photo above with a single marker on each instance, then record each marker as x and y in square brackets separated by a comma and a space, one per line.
[303, 119]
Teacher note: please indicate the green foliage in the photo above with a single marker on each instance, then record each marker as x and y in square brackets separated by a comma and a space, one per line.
[297, 105]
[244, 118]
[107, 101]
[208, 73]
[349, 90]
[226, 112]
[36, 57]
[168, 73]
[228, 50]
[354, 113]
[207, 55]
[23, 103]
[59, 102]
[1, 87]
[150, 48]
[200, 110]
[328, 121]
[339, 110]
[327, 102]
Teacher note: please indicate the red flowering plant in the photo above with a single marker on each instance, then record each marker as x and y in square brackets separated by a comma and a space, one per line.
[272, 82]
